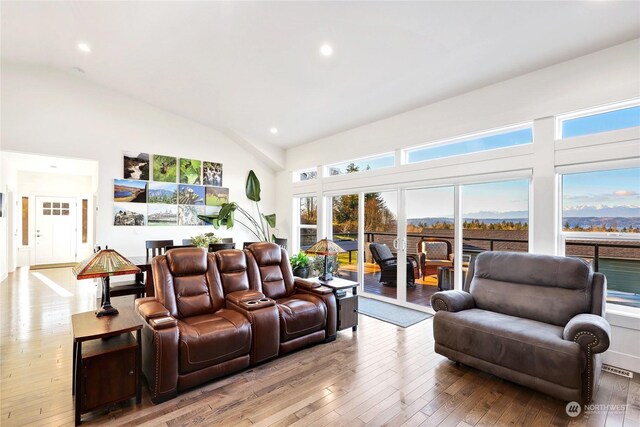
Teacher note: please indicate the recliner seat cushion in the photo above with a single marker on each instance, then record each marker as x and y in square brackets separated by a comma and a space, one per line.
[300, 315]
[210, 339]
[523, 345]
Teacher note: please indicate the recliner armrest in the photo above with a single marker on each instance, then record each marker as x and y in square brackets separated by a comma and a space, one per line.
[312, 286]
[590, 331]
[452, 301]
[151, 309]
[238, 297]
[306, 284]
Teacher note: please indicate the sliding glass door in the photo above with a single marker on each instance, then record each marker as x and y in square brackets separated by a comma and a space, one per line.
[430, 240]
[345, 214]
[380, 229]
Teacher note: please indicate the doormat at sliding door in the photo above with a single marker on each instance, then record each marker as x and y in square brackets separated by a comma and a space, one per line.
[391, 313]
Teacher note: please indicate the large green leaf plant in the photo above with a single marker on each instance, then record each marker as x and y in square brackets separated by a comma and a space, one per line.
[260, 228]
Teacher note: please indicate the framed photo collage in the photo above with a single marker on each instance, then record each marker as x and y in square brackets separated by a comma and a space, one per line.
[161, 190]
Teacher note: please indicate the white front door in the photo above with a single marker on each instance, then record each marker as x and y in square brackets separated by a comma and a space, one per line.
[55, 230]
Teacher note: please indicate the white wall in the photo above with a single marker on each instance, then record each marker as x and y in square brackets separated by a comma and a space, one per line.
[49, 112]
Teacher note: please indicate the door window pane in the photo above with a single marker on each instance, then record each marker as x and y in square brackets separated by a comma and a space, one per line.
[430, 238]
[380, 226]
[345, 233]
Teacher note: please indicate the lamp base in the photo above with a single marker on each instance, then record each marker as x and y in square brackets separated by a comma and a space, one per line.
[326, 277]
[106, 310]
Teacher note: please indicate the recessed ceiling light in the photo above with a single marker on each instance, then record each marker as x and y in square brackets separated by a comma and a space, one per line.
[273, 130]
[326, 50]
[84, 47]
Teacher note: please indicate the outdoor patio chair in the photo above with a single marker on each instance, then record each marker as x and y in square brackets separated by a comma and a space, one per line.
[388, 264]
[434, 253]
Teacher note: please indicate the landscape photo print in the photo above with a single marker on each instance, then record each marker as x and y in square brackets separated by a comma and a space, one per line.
[136, 166]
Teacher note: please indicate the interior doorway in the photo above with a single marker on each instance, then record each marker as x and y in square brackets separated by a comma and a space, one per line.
[55, 230]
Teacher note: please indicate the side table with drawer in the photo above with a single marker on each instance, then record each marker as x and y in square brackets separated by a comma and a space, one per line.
[106, 360]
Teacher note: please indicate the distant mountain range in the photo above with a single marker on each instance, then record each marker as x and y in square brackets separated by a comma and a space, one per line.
[573, 221]
[603, 211]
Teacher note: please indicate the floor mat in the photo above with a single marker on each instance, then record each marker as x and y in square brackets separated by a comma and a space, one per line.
[400, 316]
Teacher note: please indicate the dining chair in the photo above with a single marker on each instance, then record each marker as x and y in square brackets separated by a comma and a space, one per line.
[215, 247]
[156, 247]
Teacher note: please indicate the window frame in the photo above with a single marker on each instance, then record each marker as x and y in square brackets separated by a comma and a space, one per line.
[296, 175]
[607, 108]
[298, 225]
[469, 137]
[327, 168]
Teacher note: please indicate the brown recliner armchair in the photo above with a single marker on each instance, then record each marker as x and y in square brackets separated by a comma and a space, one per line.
[306, 309]
[189, 336]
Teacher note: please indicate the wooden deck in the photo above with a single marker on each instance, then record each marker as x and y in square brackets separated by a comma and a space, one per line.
[421, 294]
[380, 375]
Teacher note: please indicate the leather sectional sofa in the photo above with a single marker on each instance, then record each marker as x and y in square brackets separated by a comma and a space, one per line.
[532, 319]
[218, 313]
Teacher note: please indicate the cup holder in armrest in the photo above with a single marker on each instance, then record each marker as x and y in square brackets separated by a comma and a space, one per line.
[257, 304]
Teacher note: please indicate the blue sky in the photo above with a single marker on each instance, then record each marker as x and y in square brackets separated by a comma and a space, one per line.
[614, 188]
[603, 122]
[490, 142]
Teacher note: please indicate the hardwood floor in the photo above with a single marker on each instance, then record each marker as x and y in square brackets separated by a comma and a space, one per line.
[379, 375]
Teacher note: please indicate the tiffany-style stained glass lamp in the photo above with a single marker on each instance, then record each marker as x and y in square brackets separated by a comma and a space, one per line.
[325, 247]
[104, 264]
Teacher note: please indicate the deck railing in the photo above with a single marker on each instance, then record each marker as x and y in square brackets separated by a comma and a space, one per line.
[370, 237]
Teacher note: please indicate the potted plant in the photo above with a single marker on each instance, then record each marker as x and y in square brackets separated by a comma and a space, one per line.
[203, 240]
[260, 227]
[300, 265]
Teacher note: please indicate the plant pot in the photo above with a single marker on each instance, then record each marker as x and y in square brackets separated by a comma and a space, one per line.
[302, 272]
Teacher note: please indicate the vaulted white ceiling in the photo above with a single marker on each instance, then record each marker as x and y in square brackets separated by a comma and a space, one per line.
[244, 67]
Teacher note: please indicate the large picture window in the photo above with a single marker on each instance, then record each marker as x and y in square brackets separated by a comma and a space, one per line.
[601, 224]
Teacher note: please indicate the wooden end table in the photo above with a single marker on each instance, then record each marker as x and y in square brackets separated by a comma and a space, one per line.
[106, 370]
[347, 303]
